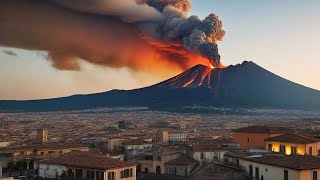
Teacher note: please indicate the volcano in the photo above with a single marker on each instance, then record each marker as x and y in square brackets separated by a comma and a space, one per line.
[245, 85]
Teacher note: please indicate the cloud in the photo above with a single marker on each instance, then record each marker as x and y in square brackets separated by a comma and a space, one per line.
[142, 35]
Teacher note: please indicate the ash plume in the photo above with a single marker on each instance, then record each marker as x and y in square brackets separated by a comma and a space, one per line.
[114, 33]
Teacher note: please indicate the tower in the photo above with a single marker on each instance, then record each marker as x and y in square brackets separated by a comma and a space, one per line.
[42, 135]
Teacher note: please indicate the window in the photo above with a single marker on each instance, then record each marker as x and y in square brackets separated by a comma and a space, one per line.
[293, 150]
[315, 175]
[126, 173]
[250, 171]
[257, 173]
[202, 156]
[285, 175]
[111, 176]
[248, 139]
[310, 151]
[99, 175]
[269, 147]
[282, 149]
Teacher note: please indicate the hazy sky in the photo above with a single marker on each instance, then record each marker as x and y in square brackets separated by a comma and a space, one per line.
[281, 36]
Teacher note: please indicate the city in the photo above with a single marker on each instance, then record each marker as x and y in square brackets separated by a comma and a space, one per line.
[136, 143]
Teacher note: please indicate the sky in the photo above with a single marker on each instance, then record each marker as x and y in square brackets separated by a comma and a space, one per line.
[281, 36]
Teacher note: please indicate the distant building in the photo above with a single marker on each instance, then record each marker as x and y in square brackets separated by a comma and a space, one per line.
[177, 137]
[122, 125]
[162, 137]
[254, 136]
[35, 152]
[42, 135]
[292, 144]
[181, 166]
[86, 165]
[114, 144]
[136, 144]
[208, 153]
[154, 161]
[3, 123]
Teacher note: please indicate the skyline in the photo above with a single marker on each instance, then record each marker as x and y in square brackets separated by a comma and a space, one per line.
[254, 31]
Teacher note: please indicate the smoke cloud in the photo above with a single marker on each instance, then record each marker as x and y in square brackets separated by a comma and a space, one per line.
[136, 34]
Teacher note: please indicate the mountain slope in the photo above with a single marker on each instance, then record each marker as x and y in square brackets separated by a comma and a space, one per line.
[243, 85]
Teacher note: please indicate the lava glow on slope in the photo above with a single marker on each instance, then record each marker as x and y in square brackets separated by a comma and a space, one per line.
[199, 75]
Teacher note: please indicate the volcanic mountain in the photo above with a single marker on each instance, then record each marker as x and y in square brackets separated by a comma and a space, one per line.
[245, 85]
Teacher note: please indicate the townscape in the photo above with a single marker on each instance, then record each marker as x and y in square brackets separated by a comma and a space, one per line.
[135, 143]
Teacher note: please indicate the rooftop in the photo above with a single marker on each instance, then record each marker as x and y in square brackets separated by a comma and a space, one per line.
[296, 162]
[182, 160]
[292, 138]
[265, 129]
[45, 146]
[92, 160]
[135, 142]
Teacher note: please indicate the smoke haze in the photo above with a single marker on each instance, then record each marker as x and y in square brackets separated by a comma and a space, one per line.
[138, 34]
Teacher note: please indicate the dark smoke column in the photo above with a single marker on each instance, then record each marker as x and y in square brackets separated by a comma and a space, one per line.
[195, 35]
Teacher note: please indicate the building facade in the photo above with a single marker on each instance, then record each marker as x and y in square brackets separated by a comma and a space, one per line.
[254, 136]
[86, 165]
[292, 144]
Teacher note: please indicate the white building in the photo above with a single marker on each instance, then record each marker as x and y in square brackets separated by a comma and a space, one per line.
[177, 137]
[279, 167]
[136, 144]
[208, 153]
[86, 165]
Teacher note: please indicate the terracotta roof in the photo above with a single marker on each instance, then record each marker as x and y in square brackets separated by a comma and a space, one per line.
[297, 162]
[206, 147]
[91, 160]
[265, 129]
[135, 142]
[182, 160]
[47, 146]
[292, 138]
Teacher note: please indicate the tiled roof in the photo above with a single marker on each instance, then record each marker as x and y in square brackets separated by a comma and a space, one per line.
[92, 160]
[46, 146]
[265, 129]
[135, 142]
[182, 160]
[297, 162]
[206, 147]
[292, 138]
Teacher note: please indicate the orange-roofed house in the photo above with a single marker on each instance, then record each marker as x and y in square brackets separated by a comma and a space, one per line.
[292, 144]
[86, 165]
[254, 136]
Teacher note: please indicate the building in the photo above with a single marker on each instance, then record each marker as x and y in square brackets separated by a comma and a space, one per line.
[276, 167]
[86, 165]
[181, 166]
[177, 137]
[153, 161]
[293, 144]
[136, 144]
[254, 136]
[42, 135]
[114, 144]
[162, 137]
[33, 153]
[122, 125]
[207, 153]
[3, 123]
